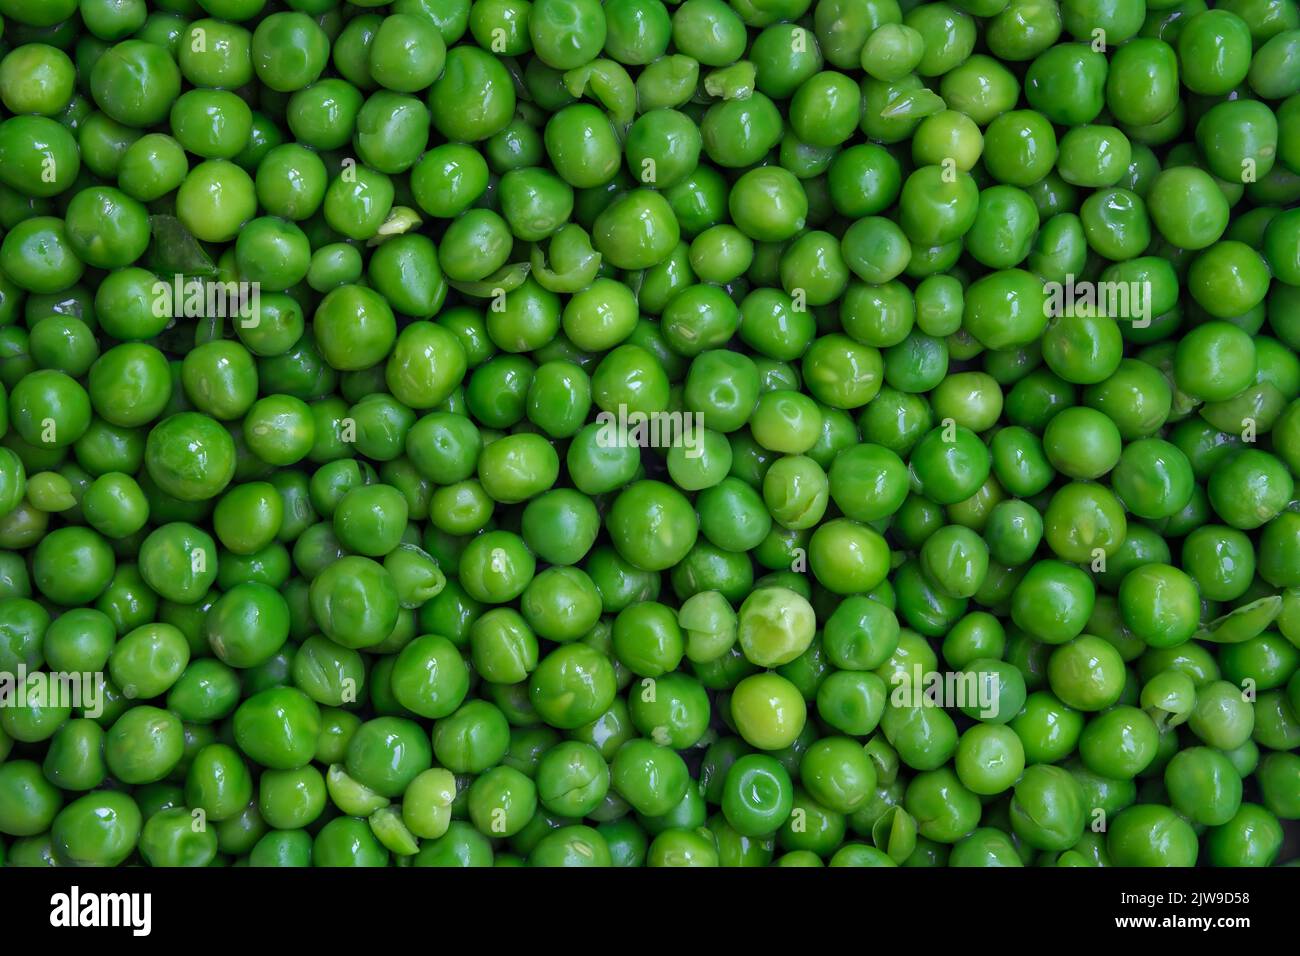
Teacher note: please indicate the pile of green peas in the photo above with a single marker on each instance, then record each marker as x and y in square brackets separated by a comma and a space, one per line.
[361, 580]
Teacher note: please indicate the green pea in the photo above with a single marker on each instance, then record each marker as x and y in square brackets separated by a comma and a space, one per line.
[989, 759]
[1151, 835]
[1047, 809]
[101, 828]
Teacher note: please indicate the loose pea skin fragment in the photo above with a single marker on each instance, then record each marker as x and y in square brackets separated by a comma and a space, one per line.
[649, 433]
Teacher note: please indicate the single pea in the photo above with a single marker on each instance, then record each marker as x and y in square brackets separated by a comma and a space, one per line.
[101, 828]
[1047, 809]
[989, 758]
[1151, 835]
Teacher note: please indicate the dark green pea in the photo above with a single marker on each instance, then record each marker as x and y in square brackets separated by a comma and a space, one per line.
[651, 778]
[143, 745]
[738, 132]
[99, 829]
[29, 802]
[636, 31]
[1047, 810]
[215, 200]
[348, 841]
[215, 53]
[135, 82]
[289, 51]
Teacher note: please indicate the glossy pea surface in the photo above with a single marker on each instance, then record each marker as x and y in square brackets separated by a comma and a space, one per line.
[580, 433]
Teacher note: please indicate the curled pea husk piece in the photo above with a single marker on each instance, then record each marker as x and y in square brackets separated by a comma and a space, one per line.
[415, 573]
[210, 328]
[608, 83]
[897, 124]
[1168, 699]
[574, 264]
[506, 279]
[914, 104]
[710, 625]
[177, 337]
[894, 834]
[401, 219]
[174, 251]
[735, 82]
[1243, 623]
[387, 826]
[667, 83]
[351, 796]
